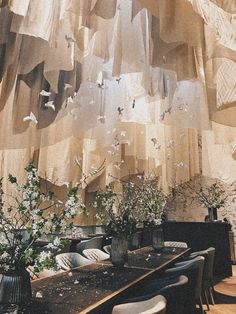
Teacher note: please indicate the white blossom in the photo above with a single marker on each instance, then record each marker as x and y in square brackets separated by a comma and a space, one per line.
[5, 255]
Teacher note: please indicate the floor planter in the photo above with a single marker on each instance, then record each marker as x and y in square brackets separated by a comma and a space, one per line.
[15, 287]
[119, 248]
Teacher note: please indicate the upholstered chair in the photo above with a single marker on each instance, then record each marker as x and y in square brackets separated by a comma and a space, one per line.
[193, 269]
[93, 243]
[175, 244]
[154, 305]
[95, 255]
[71, 260]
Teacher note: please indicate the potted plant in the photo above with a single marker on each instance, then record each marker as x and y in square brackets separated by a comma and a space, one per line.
[116, 211]
[25, 216]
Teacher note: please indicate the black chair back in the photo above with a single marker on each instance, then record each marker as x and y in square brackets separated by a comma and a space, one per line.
[175, 289]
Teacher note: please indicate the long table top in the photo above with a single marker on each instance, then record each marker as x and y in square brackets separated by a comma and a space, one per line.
[89, 288]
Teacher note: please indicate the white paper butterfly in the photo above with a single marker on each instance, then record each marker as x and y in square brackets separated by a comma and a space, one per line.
[50, 104]
[31, 117]
[67, 86]
[44, 93]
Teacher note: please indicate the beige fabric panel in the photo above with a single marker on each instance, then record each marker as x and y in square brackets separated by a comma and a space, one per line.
[228, 6]
[149, 75]
[19, 7]
[223, 22]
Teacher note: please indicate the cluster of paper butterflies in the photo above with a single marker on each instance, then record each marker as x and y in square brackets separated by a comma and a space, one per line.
[114, 147]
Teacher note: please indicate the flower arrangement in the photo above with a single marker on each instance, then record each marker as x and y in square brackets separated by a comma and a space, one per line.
[142, 202]
[116, 211]
[39, 213]
[151, 200]
[211, 195]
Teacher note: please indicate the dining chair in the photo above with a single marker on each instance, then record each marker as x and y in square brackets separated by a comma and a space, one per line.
[175, 244]
[42, 274]
[155, 305]
[204, 254]
[107, 248]
[209, 272]
[208, 287]
[174, 288]
[93, 243]
[71, 260]
[193, 269]
[95, 255]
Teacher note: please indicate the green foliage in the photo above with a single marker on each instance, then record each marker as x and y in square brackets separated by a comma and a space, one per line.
[12, 179]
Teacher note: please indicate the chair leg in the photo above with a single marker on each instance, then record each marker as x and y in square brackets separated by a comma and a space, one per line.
[207, 301]
[200, 305]
[211, 295]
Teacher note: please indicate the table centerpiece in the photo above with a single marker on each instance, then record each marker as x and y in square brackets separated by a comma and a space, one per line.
[116, 211]
[151, 208]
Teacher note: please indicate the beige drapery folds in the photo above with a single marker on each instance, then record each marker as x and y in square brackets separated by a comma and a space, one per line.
[132, 82]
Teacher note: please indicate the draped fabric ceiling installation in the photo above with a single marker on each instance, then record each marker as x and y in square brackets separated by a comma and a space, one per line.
[146, 85]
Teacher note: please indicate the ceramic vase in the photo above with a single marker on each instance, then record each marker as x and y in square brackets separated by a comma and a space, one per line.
[15, 287]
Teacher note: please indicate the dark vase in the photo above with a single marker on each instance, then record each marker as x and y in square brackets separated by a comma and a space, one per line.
[119, 247]
[15, 287]
[157, 238]
[212, 213]
[135, 241]
[147, 236]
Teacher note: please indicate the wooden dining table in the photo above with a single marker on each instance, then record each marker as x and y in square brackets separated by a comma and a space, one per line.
[97, 287]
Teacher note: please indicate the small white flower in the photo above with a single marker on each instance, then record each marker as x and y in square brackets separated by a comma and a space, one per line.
[57, 241]
[39, 294]
[5, 255]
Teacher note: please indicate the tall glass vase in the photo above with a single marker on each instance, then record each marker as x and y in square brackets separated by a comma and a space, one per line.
[119, 248]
